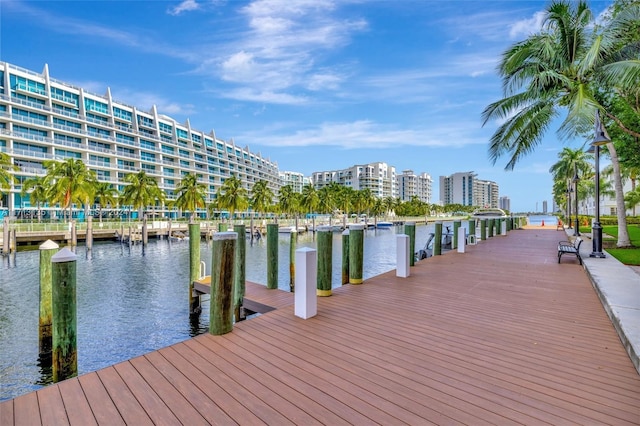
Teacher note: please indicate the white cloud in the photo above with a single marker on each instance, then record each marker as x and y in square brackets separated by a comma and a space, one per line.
[184, 6]
[368, 134]
[527, 27]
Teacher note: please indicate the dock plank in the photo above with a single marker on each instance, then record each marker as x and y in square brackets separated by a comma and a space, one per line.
[75, 402]
[124, 400]
[100, 403]
[26, 410]
[501, 334]
[52, 409]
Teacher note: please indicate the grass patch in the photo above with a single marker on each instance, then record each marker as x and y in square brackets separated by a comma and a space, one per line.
[629, 256]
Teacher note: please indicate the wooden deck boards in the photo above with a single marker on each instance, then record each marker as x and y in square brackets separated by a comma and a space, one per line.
[501, 334]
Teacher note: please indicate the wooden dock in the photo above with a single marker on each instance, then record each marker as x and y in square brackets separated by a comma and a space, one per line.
[501, 334]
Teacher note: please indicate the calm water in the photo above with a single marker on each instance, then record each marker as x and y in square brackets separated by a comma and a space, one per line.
[130, 302]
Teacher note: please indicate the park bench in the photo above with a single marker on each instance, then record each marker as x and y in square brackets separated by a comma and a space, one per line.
[571, 248]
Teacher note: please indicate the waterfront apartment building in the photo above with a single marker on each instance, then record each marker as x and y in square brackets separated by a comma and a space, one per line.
[411, 185]
[505, 203]
[42, 118]
[466, 189]
[379, 178]
[296, 179]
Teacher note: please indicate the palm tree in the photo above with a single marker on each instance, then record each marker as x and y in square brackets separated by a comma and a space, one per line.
[191, 194]
[570, 161]
[309, 199]
[142, 190]
[287, 202]
[555, 70]
[261, 197]
[38, 191]
[6, 178]
[326, 199]
[70, 181]
[104, 195]
[232, 196]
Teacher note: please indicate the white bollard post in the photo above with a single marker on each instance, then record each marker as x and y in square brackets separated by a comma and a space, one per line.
[402, 256]
[306, 276]
[503, 227]
[462, 239]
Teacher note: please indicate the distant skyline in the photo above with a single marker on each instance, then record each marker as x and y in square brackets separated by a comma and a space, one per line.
[312, 84]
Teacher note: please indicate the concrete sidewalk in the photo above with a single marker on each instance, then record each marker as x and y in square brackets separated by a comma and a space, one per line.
[618, 287]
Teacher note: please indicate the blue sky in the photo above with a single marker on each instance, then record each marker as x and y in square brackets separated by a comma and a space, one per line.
[311, 84]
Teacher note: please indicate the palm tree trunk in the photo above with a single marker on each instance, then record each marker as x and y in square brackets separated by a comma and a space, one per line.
[623, 232]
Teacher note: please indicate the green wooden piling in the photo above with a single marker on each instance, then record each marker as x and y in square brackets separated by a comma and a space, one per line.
[472, 227]
[64, 322]
[456, 228]
[509, 224]
[437, 239]
[483, 229]
[498, 225]
[272, 255]
[325, 256]
[491, 226]
[45, 333]
[194, 267]
[222, 280]
[356, 253]
[410, 230]
[292, 259]
[345, 257]
[240, 270]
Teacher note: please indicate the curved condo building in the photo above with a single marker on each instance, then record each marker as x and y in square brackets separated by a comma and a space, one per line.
[45, 119]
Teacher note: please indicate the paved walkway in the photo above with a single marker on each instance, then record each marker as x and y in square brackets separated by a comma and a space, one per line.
[500, 335]
[618, 287]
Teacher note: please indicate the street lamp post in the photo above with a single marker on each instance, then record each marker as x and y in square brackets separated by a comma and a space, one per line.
[576, 179]
[600, 139]
[569, 191]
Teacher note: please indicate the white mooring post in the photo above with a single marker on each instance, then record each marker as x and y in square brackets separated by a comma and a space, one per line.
[503, 225]
[462, 239]
[402, 255]
[306, 277]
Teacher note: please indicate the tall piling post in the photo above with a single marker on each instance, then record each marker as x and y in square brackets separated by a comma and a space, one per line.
[272, 255]
[194, 267]
[74, 233]
[325, 260]
[498, 223]
[483, 229]
[222, 283]
[437, 239]
[64, 322]
[491, 226]
[345, 257]
[240, 271]
[45, 332]
[145, 232]
[356, 253]
[88, 238]
[472, 227]
[456, 229]
[292, 259]
[13, 244]
[410, 230]
[5, 235]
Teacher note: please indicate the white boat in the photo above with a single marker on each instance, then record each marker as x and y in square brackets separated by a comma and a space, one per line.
[491, 213]
[384, 225]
